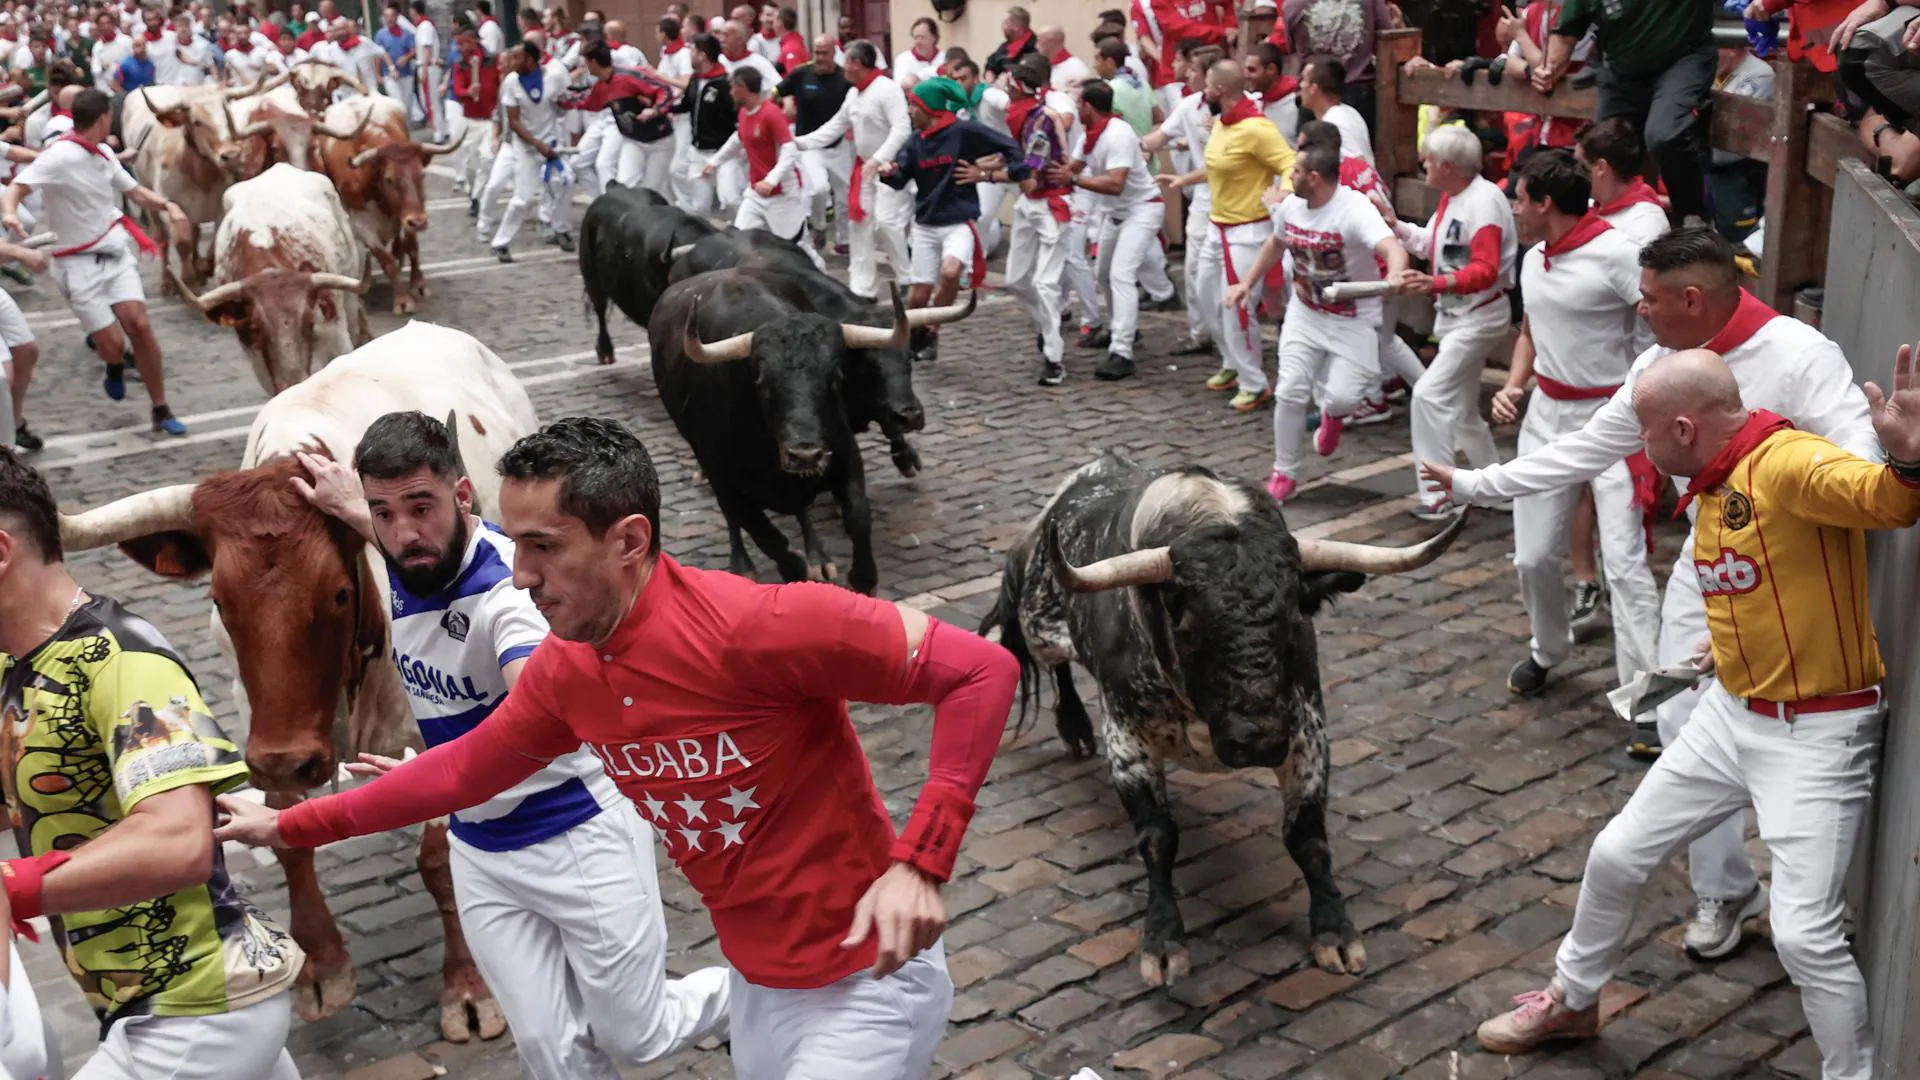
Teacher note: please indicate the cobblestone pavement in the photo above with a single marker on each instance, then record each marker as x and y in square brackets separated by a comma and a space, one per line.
[1460, 815]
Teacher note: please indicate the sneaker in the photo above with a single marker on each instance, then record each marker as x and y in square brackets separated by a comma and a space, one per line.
[1442, 510]
[1645, 744]
[1094, 337]
[841, 250]
[503, 253]
[165, 421]
[1372, 412]
[1540, 1016]
[116, 382]
[1396, 390]
[1587, 598]
[473, 207]
[563, 240]
[1052, 373]
[1326, 436]
[1716, 929]
[1192, 345]
[1114, 368]
[1280, 486]
[26, 440]
[1528, 677]
[1224, 379]
[1247, 400]
[1170, 303]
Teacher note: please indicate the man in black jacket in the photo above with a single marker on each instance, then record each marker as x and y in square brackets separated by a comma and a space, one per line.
[712, 116]
[1018, 29]
[812, 94]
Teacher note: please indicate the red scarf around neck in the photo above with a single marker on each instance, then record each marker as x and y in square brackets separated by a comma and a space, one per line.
[1637, 192]
[1017, 45]
[741, 55]
[1059, 58]
[1093, 132]
[862, 83]
[351, 43]
[926, 58]
[1590, 225]
[108, 36]
[154, 35]
[673, 46]
[1759, 427]
[244, 45]
[1244, 109]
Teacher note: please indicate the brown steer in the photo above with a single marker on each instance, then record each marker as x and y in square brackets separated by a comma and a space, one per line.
[381, 176]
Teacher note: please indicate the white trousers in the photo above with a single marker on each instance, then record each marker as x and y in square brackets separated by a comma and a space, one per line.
[644, 164]
[1397, 358]
[403, 89]
[829, 172]
[783, 215]
[991, 196]
[1717, 861]
[1130, 257]
[859, 1028]
[596, 157]
[473, 162]
[1310, 343]
[1810, 781]
[1081, 232]
[1445, 413]
[1540, 549]
[246, 1044]
[571, 938]
[434, 98]
[517, 172]
[682, 192]
[1036, 257]
[702, 192]
[889, 215]
[1203, 320]
[1239, 337]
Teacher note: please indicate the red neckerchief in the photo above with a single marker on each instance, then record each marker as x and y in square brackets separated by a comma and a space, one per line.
[1059, 58]
[1093, 133]
[1017, 112]
[1589, 226]
[244, 45]
[1637, 192]
[489, 19]
[927, 59]
[1017, 45]
[54, 109]
[153, 35]
[735, 59]
[108, 36]
[769, 35]
[872, 74]
[1278, 39]
[1282, 86]
[1759, 427]
[1244, 109]
[351, 43]
[673, 46]
[1748, 318]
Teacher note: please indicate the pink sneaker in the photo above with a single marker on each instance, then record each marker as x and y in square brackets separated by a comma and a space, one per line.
[1326, 438]
[1540, 1016]
[1280, 486]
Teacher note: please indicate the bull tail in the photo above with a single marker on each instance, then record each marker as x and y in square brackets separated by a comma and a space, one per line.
[1320, 588]
[1005, 615]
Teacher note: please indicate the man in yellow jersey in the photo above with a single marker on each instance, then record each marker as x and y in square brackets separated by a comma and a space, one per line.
[1791, 724]
[1246, 155]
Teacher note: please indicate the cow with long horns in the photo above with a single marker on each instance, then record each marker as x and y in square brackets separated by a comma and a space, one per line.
[300, 610]
[288, 275]
[380, 173]
[185, 152]
[271, 125]
[1192, 605]
[751, 376]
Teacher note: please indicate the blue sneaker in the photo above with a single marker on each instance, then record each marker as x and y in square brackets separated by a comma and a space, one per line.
[165, 422]
[116, 383]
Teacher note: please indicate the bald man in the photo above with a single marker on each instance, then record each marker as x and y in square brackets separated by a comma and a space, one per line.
[1691, 297]
[1069, 71]
[1791, 721]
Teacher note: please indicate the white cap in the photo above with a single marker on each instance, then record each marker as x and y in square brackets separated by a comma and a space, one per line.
[314, 17]
[1265, 5]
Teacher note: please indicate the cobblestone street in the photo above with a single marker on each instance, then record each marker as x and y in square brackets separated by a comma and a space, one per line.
[1460, 815]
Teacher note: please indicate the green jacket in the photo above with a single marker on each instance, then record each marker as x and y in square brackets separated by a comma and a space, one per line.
[1640, 38]
[1133, 103]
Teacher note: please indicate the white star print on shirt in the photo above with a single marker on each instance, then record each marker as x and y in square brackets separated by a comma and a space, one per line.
[729, 831]
[692, 837]
[656, 809]
[740, 801]
[695, 809]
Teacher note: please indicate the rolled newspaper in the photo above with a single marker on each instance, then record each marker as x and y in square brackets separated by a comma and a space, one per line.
[38, 240]
[1355, 290]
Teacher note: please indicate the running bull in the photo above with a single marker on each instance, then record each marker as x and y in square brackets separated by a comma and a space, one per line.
[627, 240]
[1192, 605]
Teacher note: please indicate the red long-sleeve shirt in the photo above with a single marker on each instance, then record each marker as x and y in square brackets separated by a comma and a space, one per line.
[1167, 23]
[618, 87]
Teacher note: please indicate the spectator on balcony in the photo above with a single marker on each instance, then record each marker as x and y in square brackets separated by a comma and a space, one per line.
[1524, 40]
[1345, 30]
[1879, 46]
[1656, 68]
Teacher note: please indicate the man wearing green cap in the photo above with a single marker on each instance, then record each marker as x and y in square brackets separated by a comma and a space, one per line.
[945, 241]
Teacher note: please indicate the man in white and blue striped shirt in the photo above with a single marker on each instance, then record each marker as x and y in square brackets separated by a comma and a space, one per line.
[555, 876]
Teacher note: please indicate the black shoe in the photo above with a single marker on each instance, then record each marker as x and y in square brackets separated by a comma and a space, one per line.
[1171, 303]
[1114, 368]
[26, 440]
[503, 253]
[116, 381]
[1095, 338]
[1527, 678]
[1645, 744]
[1052, 374]
[473, 207]
[563, 240]
[1587, 598]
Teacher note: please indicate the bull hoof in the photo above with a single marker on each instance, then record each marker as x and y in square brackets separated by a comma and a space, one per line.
[794, 568]
[907, 461]
[420, 290]
[1164, 968]
[827, 571]
[1079, 748]
[467, 1009]
[403, 305]
[605, 358]
[1340, 956]
[324, 987]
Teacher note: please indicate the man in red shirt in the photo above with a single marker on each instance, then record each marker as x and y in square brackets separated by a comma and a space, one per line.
[775, 199]
[719, 707]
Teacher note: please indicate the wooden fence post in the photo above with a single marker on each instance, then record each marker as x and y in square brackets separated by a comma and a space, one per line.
[1396, 126]
[1796, 211]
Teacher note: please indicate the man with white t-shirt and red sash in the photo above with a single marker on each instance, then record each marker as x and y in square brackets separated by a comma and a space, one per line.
[876, 115]
[719, 707]
[1690, 293]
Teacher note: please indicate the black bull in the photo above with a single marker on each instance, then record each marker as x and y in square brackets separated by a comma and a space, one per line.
[1191, 604]
[627, 237]
[879, 387]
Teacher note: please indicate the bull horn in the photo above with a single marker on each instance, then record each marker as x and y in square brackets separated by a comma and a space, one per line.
[167, 509]
[737, 347]
[1374, 559]
[358, 86]
[873, 337]
[320, 128]
[364, 158]
[676, 254]
[1149, 566]
[264, 86]
[342, 282]
[206, 302]
[934, 316]
[434, 150]
[227, 111]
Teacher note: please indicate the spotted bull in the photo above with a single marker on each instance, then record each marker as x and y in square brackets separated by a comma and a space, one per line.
[300, 610]
[186, 153]
[1185, 596]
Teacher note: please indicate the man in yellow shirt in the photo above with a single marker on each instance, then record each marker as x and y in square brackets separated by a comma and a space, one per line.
[1246, 155]
[1792, 723]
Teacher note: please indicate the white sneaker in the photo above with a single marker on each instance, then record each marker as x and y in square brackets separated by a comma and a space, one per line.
[1715, 929]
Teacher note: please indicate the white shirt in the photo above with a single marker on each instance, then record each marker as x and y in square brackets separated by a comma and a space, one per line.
[540, 117]
[191, 62]
[246, 67]
[79, 192]
[362, 61]
[1580, 308]
[1354, 140]
[1331, 243]
[767, 48]
[769, 75]
[630, 57]
[909, 69]
[1119, 148]
[992, 110]
[23, 1036]
[426, 43]
[1283, 111]
[107, 56]
[492, 38]
[1643, 222]
[1785, 366]
[877, 116]
[450, 648]
[1068, 74]
[678, 65]
[1447, 242]
[1191, 122]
